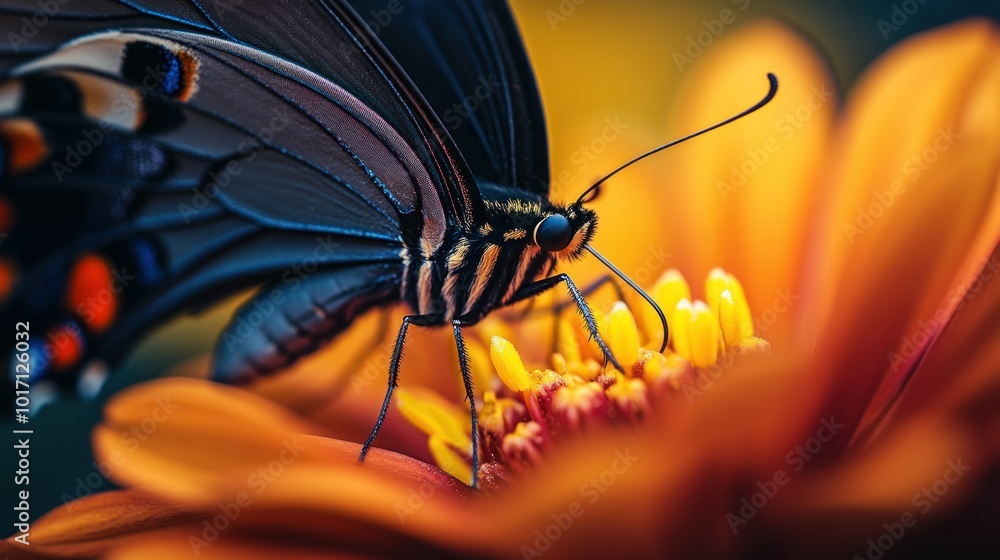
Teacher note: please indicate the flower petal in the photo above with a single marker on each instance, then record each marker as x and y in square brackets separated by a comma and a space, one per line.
[957, 376]
[189, 440]
[743, 195]
[90, 525]
[914, 208]
[220, 444]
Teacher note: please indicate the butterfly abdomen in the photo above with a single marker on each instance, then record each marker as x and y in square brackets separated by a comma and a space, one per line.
[290, 318]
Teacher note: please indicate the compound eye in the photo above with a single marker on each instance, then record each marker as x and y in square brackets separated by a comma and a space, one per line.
[554, 233]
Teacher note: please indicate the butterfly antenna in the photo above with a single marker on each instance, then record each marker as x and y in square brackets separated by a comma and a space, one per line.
[772, 79]
[634, 286]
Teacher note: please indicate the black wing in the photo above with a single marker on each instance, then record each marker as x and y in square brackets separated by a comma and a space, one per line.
[469, 61]
[252, 145]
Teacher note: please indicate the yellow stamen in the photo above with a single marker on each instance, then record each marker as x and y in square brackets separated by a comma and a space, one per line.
[508, 364]
[449, 460]
[666, 370]
[523, 446]
[578, 405]
[435, 416]
[668, 291]
[623, 335]
[719, 281]
[696, 333]
[755, 346]
[542, 379]
[499, 416]
[630, 395]
[729, 320]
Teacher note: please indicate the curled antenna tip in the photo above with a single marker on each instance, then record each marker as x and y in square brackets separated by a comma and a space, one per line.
[771, 92]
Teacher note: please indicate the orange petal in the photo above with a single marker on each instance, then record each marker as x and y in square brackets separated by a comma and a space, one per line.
[663, 491]
[186, 438]
[913, 209]
[927, 472]
[741, 197]
[219, 443]
[958, 374]
[91, 525]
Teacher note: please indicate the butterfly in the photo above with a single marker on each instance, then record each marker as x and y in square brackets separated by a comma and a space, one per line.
[157, 156]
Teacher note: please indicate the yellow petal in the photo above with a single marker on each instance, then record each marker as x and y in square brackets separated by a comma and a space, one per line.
[434, 415]
[449, 460]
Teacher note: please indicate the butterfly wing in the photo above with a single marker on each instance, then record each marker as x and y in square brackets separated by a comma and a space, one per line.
[282, 147]
[469, 61]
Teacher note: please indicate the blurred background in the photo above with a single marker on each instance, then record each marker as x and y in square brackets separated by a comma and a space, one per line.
[600, 64]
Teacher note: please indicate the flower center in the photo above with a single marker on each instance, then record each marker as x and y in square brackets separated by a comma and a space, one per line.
[531, 408]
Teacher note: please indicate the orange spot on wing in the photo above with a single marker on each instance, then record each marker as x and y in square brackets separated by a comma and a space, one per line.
[65, 345]
[91, 293]
[26, 144]
[191, 65]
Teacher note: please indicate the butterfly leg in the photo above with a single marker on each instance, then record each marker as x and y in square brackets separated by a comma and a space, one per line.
[545, 284]
[585, 291]
[397, 356]
[463, 360]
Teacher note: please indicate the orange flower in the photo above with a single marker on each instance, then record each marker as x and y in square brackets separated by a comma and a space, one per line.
[866, 248]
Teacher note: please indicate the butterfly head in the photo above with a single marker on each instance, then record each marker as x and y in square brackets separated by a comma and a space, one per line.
[565, 232]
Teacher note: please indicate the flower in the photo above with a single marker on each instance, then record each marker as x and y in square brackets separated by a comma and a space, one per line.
[577, 394]
[866, 244]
